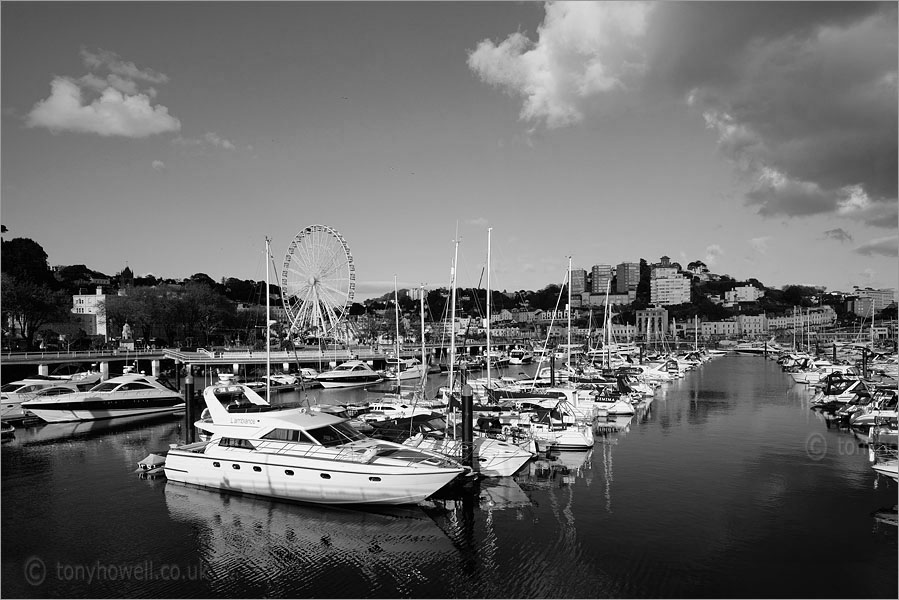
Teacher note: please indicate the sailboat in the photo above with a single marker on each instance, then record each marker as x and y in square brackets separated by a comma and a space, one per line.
[398, 368]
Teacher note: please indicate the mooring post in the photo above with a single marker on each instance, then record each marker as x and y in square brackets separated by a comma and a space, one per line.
[467, 426]
[189, 437]
[834, 353]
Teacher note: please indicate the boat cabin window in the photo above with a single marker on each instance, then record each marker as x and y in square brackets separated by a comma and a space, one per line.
[226, 442]
[55, 391]
[104, 387]
[334, 435]
[14, 387]
[136, 386]
[286, 435]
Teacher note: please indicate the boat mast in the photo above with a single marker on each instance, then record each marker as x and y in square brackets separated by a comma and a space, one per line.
[489, 229]
[268, 325]
[396, 311]
[569, 312]
[453, 318]
[424, 364]
[606, 330]
[696, 333]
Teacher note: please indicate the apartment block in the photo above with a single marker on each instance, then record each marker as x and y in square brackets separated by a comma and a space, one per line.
[578, 280]
[666, 291]
[880, 299]
[627, 276]
[602, 275]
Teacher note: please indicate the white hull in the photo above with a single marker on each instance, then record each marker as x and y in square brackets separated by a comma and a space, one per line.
[304, 479]
[493, 458]
[569, 438]
[64, 416]
[890, 468]
[336, 383]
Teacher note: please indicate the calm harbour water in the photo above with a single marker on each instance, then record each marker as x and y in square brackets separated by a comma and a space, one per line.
[728, 486]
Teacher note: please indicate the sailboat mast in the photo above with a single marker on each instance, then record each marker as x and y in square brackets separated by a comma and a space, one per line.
[268, 325]
[424, 362]
[696, 333]
[396, 311]
[453, 318]
[489, 229]
[607, 330]
[569, 312]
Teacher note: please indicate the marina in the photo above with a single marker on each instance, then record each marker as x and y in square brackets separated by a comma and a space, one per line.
[726, 484]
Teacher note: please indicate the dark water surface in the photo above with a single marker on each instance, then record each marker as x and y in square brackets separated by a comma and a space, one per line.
[728, 486]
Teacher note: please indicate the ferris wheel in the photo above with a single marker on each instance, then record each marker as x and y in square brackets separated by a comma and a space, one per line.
[318, 281]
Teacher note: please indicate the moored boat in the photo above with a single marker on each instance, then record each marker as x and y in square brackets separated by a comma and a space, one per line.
[352, 373]
[296, 454]
[128, 395]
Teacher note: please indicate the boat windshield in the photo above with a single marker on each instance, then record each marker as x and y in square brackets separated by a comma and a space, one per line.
[336, 434]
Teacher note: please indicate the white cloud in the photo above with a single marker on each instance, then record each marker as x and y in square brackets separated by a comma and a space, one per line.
[215, 140]
[760, 244]
[108, 105]
[885, 246]
[712, 253]
[158, 165]
[112, 114]
[583, 49]
[104, 59]
[208, 139]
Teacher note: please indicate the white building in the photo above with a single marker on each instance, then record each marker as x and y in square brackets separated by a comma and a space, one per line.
[652, 322]
[728, 328]
[665, 291]
[90, 312]
[880, 299]
[743, 293]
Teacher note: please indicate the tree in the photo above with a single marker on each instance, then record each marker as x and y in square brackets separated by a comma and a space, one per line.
[30, 305]
[25, 260]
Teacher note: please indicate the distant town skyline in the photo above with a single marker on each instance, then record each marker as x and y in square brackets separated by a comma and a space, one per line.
[757, 137]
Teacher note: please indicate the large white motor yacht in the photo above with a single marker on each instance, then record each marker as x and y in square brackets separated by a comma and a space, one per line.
[295, 454]
[124, 396]
[352, 373]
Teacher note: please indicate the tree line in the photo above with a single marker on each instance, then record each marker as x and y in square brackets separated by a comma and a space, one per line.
[37, 303]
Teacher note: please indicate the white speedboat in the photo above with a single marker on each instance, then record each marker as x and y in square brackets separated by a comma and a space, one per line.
[520, 356]
[493, 457]
[124, 396]
[352, 373]
[13, 394]
[294, 454]
[758, 348]
[404, 369]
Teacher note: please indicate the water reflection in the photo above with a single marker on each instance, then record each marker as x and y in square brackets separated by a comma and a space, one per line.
[557, 469]
[48, 433]
[254, 547]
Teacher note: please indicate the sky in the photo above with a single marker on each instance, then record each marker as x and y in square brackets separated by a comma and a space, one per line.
[174, 137]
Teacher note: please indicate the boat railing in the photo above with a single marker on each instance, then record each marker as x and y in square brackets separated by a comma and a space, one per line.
[357, 455]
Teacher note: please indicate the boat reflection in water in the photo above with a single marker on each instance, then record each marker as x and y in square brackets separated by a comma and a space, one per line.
[557, 469]
[256, 547]
[53, 432]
